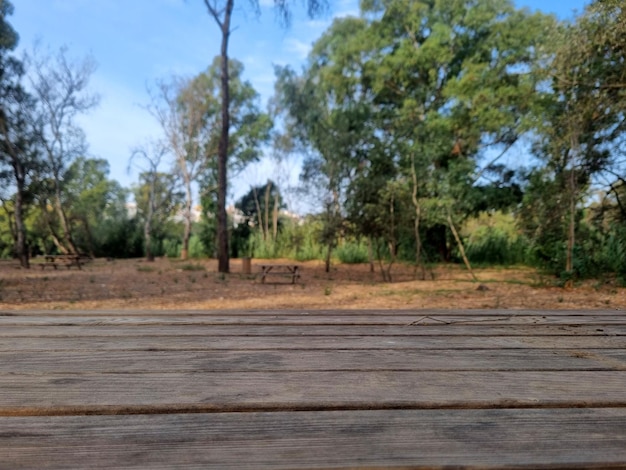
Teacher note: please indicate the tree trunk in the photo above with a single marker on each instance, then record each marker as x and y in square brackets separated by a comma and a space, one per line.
[68, 241]
[184, 252]
[20, 182]
[569, 260]
[370, 254]
[383, 272]
[259, 214]
[416, 225]
[147, 240]
[55, 237]
[419, 264]
[147, 226]
[328, 254]
[275, 217]
[222, 159]
[266, 227]
[392, 243]
[20, 228]
[461, 248]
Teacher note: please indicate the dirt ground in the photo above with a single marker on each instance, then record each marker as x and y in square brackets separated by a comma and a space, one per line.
[175, 284]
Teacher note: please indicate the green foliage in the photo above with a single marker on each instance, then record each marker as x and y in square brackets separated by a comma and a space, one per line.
[196, 248]
[493, 239]
[192, 267]
[119, 238]
[145, 269]
[401, 114]
[493, 246]
[171, 248]
[352, 253]
[297, 241]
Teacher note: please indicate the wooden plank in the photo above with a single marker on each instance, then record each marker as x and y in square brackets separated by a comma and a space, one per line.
[312, 389]
[304, 320]
[309, 330]
[321, 312]
[263, 343]
[92, 362]
[262, 391]
[434, 439]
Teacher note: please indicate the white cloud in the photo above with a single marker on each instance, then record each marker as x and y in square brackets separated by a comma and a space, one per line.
[347, 13]
[319, 24]
[300, 48]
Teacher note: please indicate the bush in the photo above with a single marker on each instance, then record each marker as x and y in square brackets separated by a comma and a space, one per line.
[489, 245]
[196, 248]
[352, 253]
[171, 248]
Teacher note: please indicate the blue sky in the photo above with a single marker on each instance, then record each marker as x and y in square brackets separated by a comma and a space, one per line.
[136, 42]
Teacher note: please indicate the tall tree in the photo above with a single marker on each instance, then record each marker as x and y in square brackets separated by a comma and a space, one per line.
[257, 205]
[155, 195]
[418, 92]
[188, 111]
[582, 126]
[453, 83]
[93, 201]
[183, 112]
[221, 11]
[18, 152]
[61, 88]
[328, 114]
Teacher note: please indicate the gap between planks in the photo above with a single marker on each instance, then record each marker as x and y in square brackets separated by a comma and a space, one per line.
[130, 410]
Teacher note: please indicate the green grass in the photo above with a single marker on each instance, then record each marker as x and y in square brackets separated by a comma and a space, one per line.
[146, 269]
[192, 267]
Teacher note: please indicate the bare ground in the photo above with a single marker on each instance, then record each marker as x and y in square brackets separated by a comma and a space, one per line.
[174, 284]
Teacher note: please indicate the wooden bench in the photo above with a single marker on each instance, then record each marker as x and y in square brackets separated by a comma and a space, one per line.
[285, 270]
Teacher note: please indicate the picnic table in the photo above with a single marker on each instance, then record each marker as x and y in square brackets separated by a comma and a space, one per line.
[284, 270]
[67, 260]
[313, 389]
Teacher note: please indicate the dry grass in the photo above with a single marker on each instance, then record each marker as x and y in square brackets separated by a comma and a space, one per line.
[168, 284]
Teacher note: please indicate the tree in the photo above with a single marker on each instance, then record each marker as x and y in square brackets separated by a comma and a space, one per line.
[156, 196]
[453, 84]
[188, 111]
[93, 202]
[221, 11]
[18, 153]
[61, 88]
[330, 121]
[257, 205]
[416, 92]
[183, 113]
[582, 125]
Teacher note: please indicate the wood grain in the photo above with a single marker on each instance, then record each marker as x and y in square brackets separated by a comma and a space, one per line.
[381, 319]
[313, 389]
[265, 343]
[550, 438]
[225, 391]
[122, 361]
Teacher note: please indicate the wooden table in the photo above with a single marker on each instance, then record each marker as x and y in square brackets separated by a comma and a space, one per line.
[63, 260]
[284, 270]
[312, 389]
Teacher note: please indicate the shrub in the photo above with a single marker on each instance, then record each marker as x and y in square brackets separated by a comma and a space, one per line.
[489, 245]
[352, 253]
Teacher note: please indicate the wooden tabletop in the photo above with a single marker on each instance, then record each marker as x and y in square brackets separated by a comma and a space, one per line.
[312, 389]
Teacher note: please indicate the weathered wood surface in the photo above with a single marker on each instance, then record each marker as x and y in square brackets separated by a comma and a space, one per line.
[552, 438]
[315, 389]
[271, 343]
